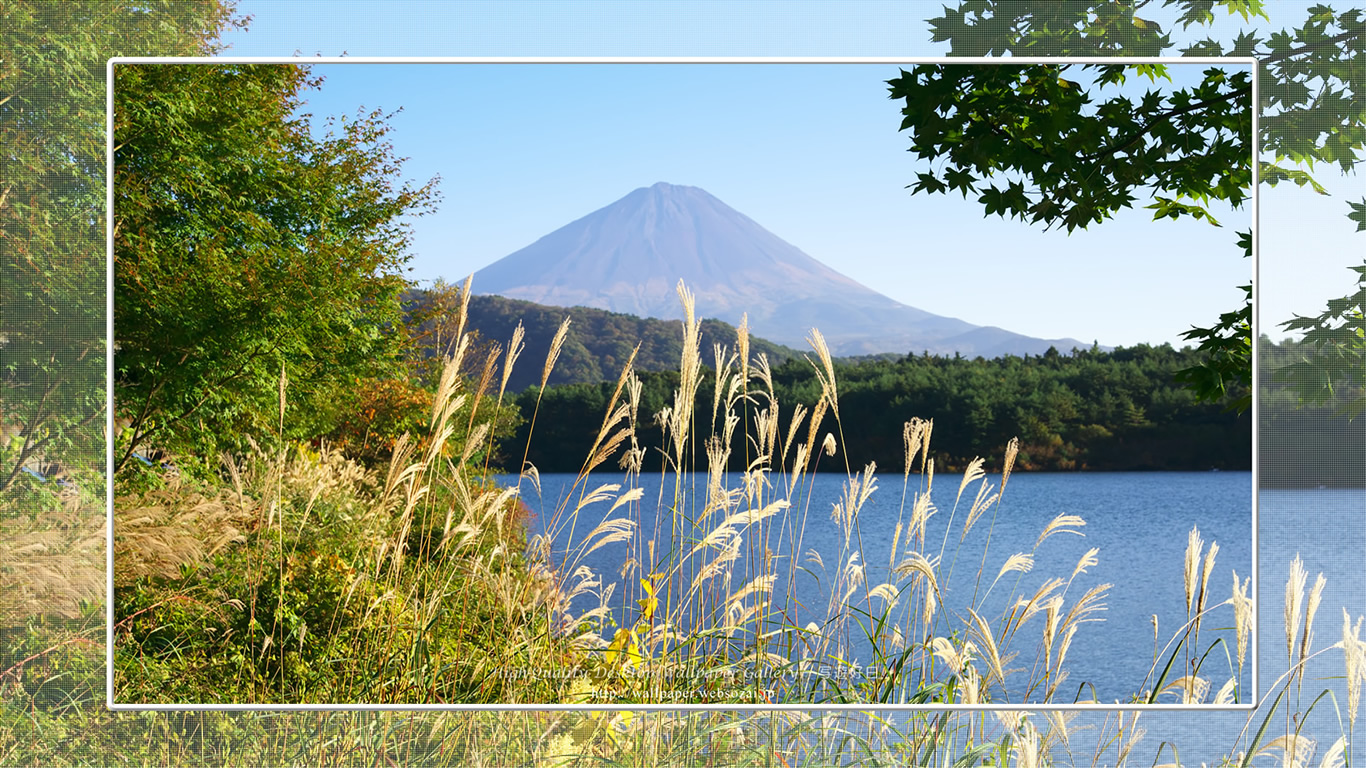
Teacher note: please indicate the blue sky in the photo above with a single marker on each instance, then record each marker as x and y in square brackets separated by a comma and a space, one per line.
[811, 152]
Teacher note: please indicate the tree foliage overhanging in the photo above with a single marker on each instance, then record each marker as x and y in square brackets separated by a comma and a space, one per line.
[1083, 156]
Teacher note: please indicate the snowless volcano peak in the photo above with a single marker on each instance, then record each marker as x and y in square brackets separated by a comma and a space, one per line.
[629, 256]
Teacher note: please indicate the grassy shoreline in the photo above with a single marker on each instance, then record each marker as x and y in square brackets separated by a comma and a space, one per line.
[310, 579]
[300, 575]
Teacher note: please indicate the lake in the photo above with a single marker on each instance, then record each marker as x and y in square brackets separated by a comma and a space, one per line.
[1139, 522]
[1327, 529]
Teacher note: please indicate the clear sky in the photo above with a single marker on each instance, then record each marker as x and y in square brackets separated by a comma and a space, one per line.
[811, 152]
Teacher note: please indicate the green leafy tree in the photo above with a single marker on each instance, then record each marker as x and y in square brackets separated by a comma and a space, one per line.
[52, 203]
[1029, 142]
[248, 254]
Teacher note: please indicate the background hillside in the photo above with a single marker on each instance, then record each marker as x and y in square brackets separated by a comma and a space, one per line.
[598, 343]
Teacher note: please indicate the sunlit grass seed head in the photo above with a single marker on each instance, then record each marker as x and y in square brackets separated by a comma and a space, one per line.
[1354, 656]
[825, 372]
[1063, 523]
[1242, 615]
[1294, 598]
[1194, 546]
[1012, 450]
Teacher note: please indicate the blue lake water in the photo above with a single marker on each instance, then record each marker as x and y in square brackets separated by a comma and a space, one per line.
[1139, 522]
[1326, 528]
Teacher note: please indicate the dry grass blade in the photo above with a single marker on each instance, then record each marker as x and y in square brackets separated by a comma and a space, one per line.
[1012, 450]
[1052, 610]
[725, 359]
[157, 539]
[605, 450]
[1242, 615]
[720, 565]
[1025, 748]
[617, 411]
[1018, 562]
[856, 492]
[51, 571]
[1354, 658]
[1061, 524]
[973, 473]
[1336, 756]
[886, 592]
[1058, 674]
[732, 525]
[1194, 544]
[742, 344]
[1294, 597]
[601, 493]
[913, 435]
[530, 473]
[608, 532]
[812, 427]
[1204, 586]
[1038, 601]
[1058, 731]
[982, 631]
[944, 650]
[1190, 688]
[853, 577]
[825, 372]
[1088, 604]
[798, 414]
[985, 498]
[1312, 607]
[515, 348]
[1087, 560]
[449, 383]
[556, 344]
[1295, 749]
[1225, 694]
[475, 439]
[760, 585]
[634, 494]
[921, 512]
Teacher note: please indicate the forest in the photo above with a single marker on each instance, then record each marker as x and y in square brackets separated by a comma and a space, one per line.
[1090, 410]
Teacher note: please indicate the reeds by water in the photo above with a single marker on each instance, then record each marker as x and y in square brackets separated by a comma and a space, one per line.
[439, 543]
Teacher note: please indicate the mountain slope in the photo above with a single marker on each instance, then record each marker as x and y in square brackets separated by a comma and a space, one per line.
[630, 255]
[599, 342]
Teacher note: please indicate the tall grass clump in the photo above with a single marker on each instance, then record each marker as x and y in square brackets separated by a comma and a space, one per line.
[307, 577]
[302, 575]
[704, 607]
[311, 578]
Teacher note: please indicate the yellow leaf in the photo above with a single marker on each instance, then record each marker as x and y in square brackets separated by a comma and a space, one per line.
[651, 602]
[618, 643]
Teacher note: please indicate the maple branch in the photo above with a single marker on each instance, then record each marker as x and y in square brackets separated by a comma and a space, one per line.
[1148, 126]
[1309, 47]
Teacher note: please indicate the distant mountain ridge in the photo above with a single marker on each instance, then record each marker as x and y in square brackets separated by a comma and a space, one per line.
[629, 256]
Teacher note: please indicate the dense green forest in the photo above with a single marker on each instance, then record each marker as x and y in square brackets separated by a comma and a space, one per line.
[1121, 409]
[1308, 441]
[1092, 410]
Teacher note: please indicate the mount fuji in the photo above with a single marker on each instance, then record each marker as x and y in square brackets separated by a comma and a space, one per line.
[629, 256]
